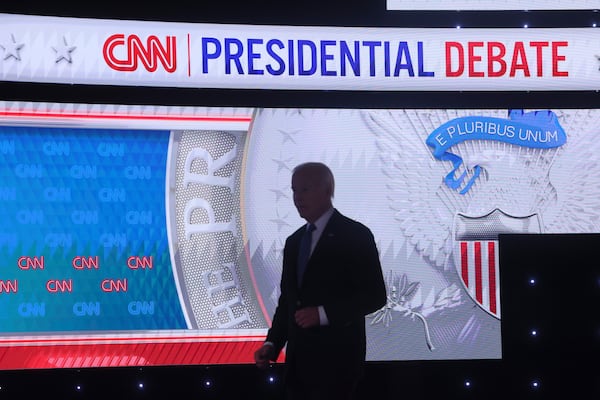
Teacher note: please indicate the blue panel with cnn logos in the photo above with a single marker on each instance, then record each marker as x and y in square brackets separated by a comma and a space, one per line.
[83, 238]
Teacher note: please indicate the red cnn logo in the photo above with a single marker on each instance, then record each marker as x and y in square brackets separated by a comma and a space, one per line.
[150, 54]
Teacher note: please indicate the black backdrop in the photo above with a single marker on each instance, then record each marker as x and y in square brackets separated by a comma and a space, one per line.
[551, 285]
[562, 306]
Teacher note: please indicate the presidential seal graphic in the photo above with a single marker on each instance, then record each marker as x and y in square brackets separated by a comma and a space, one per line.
[458, 179]
[436, 187]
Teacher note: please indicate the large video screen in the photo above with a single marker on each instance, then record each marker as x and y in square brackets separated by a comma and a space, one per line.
[147, 235]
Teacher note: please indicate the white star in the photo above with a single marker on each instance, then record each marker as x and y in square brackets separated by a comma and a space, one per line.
[12, 48]
[63, 51]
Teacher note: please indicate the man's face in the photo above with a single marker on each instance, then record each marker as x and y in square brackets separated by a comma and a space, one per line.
[312, 197]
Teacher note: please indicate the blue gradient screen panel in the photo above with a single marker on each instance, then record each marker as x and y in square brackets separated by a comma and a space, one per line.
[85, 231]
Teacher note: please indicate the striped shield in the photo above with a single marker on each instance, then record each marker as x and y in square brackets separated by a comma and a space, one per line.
[476, 253]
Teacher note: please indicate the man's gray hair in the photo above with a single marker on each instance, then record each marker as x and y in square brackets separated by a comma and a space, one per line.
[323, 171]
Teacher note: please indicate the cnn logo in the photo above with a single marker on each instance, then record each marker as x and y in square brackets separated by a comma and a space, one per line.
[125, 53]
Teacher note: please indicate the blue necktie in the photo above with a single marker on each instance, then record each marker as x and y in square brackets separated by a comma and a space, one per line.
[304, 253]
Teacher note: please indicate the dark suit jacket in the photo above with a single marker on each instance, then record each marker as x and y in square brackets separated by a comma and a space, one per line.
[344, 276]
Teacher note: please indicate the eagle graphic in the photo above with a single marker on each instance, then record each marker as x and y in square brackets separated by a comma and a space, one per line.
[499, 187]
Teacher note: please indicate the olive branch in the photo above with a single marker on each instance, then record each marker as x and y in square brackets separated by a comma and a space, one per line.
[399, 298]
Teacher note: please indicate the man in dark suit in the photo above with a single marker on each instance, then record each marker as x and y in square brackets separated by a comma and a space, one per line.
[321, 311]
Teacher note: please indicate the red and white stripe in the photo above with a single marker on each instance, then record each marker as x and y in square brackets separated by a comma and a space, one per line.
[480, 272]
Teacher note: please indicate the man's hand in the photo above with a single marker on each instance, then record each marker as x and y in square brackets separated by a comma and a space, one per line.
[263, 356]
[307, 317]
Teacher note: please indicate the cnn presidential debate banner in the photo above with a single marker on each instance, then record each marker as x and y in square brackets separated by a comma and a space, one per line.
[153, 235]
[114, 52]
